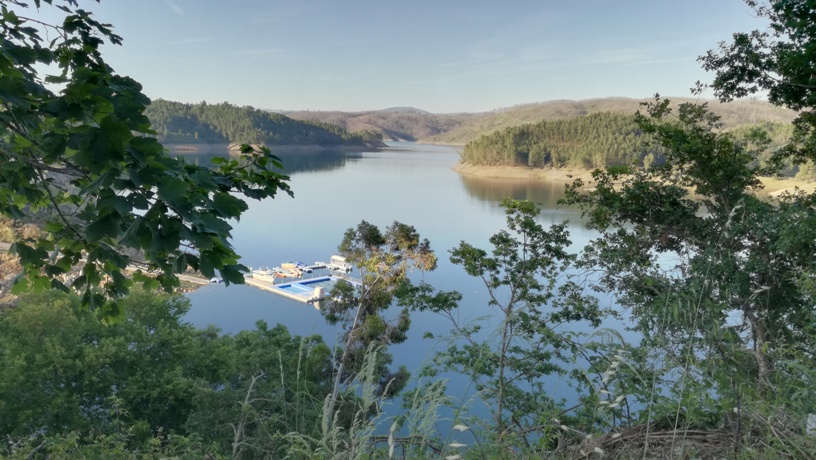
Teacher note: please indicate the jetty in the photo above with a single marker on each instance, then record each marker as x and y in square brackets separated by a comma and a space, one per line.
[311, 290]
[305, 290]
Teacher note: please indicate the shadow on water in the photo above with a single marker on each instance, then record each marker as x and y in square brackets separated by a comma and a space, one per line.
[293, 162]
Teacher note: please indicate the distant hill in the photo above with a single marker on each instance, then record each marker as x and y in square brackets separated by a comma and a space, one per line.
[459, 129]
[405, 110]
[398, 123]
[224, 123]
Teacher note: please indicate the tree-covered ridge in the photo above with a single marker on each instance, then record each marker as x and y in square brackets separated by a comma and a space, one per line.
[738, 113]
[460, 128]
[400, 124]
[590, 141]
[177, 122]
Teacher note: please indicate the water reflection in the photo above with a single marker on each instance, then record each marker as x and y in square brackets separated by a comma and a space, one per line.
[293, 162]
[489, 190]
[494, 190]
[410, 183]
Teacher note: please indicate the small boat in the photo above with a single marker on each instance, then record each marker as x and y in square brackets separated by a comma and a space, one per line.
[263, 273]
[339, 264]
[286, 273]
[319, 265]
[291, 267]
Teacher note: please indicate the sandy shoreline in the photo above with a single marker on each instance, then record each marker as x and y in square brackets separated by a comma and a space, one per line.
[559, 175]
[773, 187]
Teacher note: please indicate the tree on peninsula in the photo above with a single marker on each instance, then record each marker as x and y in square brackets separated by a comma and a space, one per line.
[79, 155]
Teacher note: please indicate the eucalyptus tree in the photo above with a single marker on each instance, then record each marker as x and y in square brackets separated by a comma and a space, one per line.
[79, 154]
[384, 261]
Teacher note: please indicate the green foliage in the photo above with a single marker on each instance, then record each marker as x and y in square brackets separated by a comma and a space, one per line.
[109, 446]
[384, 261]
[85, 161]
[711, 280]
[225, 123]
[274, 385]
[777, 135]
[777, 61]
[525, 277]
[351, 440]
[152, 375]
[595, 140]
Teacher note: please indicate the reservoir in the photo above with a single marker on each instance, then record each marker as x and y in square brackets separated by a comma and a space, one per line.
[410, 183]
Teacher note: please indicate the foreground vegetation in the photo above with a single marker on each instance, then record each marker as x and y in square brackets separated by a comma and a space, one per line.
[718, 286]
[702, 383]
[72, 386]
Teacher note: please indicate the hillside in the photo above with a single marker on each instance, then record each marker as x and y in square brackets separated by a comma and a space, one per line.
[601, 139]
[588, 141]
[400, 123]
[459, 129]
[176, 122]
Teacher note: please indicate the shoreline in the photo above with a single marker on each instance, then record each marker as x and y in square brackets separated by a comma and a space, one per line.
[549, 174]
[773, 187]
[232, 149]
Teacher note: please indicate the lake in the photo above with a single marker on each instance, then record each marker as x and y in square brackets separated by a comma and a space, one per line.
[410, 183]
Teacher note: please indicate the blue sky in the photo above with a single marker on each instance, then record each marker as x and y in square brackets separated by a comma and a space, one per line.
[441, 55]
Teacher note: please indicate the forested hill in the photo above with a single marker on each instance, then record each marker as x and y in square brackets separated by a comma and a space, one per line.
[590, 141]
[460, 128]
[398, 123]
[225, 123]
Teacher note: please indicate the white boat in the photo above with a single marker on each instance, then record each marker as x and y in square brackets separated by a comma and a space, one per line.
[280, 272]
[339, 264]
[264, 273]
[290, 267]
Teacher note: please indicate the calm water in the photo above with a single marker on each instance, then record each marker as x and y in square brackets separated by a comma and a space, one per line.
[410, 183]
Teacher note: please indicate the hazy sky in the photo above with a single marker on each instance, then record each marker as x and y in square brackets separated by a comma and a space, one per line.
[437, 55]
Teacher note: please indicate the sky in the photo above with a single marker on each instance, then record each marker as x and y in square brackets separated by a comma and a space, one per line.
[443, 56]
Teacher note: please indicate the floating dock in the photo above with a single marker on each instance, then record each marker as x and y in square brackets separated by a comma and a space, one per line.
[305, 290]
[310, 290]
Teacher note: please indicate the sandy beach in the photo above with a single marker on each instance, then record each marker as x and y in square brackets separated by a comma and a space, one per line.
[560, 175]
[773, 187]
